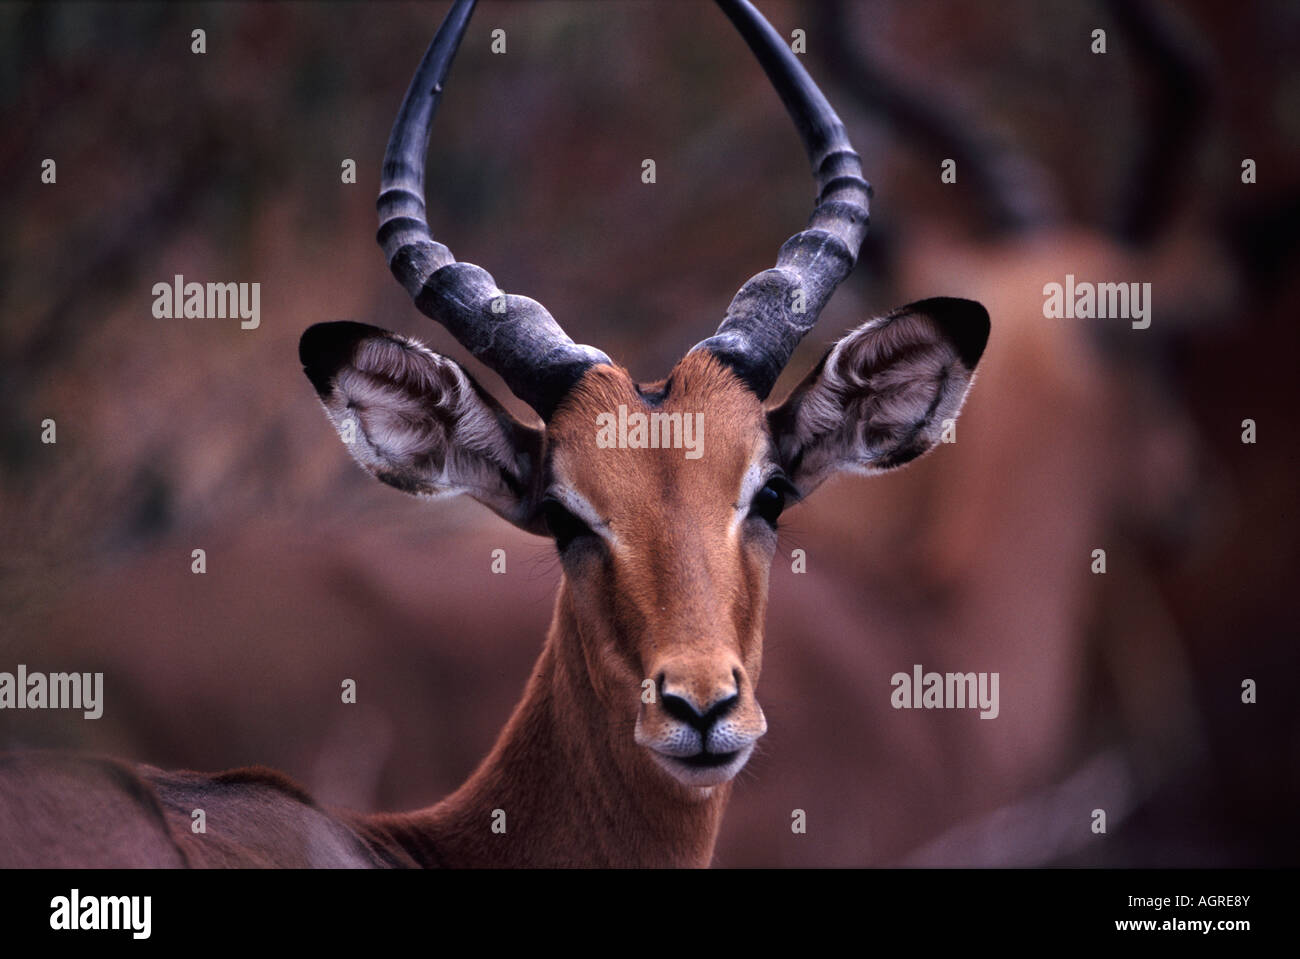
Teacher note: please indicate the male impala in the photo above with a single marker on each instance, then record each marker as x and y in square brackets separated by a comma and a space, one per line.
[642, 708]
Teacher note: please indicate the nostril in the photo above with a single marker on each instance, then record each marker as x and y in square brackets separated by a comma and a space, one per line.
[721, 709]
[680, 708]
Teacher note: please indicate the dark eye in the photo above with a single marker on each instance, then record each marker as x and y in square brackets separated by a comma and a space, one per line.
[770, 500]
[562, 524]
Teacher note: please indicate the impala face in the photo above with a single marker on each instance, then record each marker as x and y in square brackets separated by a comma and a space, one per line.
[668, 560]
[665, 552]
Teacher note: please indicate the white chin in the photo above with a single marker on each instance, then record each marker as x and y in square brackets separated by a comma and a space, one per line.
[698, 776]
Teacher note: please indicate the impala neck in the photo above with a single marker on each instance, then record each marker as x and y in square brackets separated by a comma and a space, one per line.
[574, 787]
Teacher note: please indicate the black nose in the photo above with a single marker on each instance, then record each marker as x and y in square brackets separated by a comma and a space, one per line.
[683, 708]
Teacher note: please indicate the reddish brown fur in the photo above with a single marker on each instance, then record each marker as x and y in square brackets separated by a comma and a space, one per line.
[574, 785]
[576, 788]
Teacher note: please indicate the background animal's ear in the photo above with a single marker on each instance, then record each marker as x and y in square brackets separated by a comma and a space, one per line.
[880, 397]
[418, 421]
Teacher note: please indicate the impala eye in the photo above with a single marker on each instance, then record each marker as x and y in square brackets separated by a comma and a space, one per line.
[771, 499]
[562, 524]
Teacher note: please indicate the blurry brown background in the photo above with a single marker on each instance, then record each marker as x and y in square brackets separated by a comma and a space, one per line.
[1119, 692]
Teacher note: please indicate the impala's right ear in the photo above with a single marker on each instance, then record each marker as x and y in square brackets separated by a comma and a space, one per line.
[418, 421]
[882, 395]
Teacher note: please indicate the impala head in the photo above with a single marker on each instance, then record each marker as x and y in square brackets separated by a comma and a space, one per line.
[663, 499]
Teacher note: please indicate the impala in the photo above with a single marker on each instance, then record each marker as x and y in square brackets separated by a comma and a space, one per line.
[1116, 461]
[642, 708]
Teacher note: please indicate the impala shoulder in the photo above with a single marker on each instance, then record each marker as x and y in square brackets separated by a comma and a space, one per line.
[45, 821]
[260, 817]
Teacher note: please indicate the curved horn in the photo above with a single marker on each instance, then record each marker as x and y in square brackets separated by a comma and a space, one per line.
[1174, 55]
[513, 335]
[774, 309]
[1014, 191]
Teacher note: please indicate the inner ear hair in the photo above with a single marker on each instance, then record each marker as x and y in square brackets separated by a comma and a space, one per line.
[879, 397]
[418, 421]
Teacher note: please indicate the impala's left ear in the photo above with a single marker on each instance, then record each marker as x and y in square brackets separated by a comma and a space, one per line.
[880, 397]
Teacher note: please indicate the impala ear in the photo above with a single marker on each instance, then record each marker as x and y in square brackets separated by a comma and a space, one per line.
[418, 421]
[880, 397]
